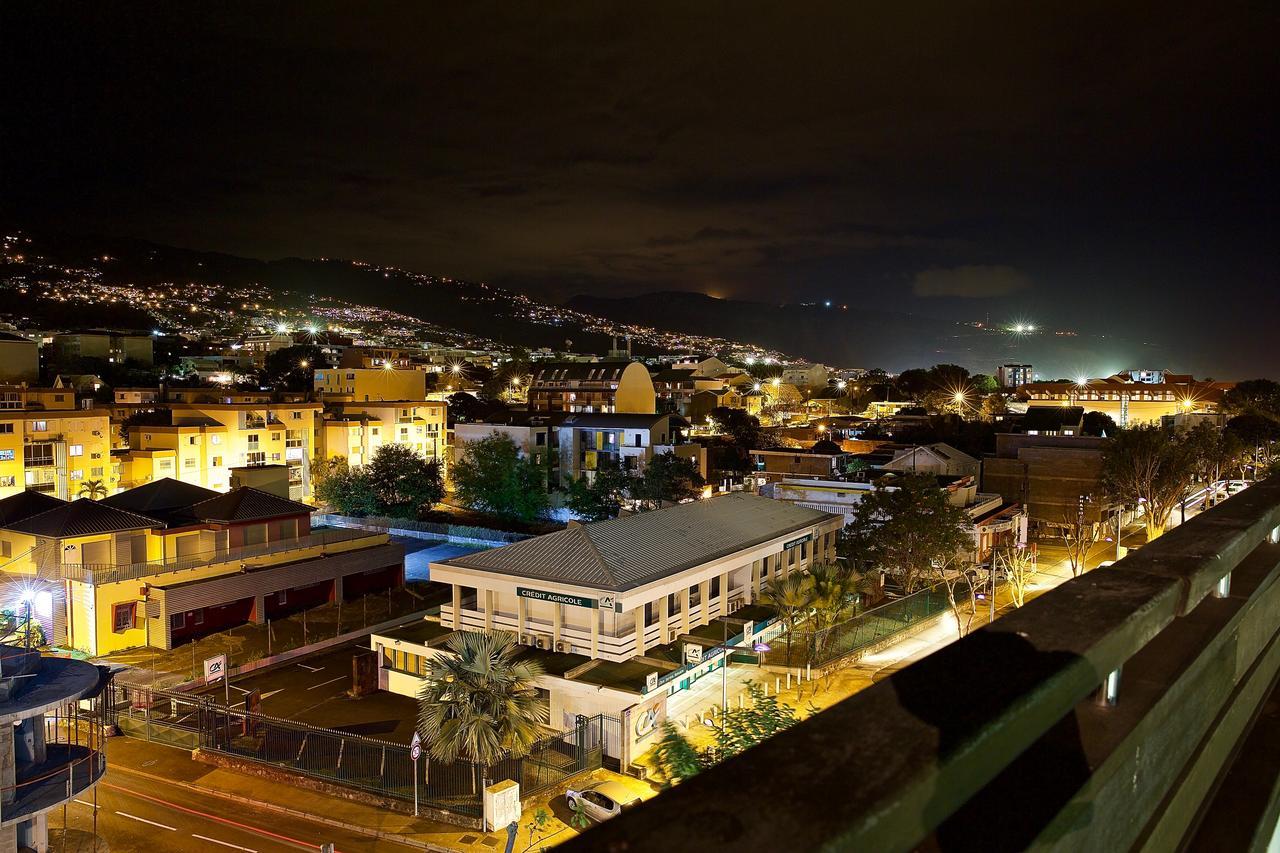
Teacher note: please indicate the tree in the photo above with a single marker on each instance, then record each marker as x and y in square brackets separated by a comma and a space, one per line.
[465, 408]
[676, 758]
[492, 476]
[293, 368]
[1099, 424]
[1253, 397]
[348, 491]
[600, 496]
[1150, 466]
[480, 702]
[905, 528]
[760, 719]
[94, 490]
[742, 428]
[667, 478]
[792, 597]
[1078, 536]
[832, 594]
[1017, 566]
[404, 481]
[983, 383]
[992, 406]
[1214, 452]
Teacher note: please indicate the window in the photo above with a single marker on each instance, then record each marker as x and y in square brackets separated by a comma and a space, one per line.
[95, 472]
[297, 416]
[8, 481]
[282, 597]
[76, 474]
[6, 547]
[6, 429]
[191, 439]
[122, 616]
[75, 450]
[197, 617]
[178, 621]
[6, 455]
[39, 426]
[217, 461]
[188, 463]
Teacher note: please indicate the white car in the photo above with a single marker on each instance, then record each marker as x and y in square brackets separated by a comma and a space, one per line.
[602, 800]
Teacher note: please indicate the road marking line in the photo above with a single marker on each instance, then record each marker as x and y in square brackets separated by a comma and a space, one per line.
[224, 843]
[90, 805]
[241, 689]
[323, 683]
[144, 820]
[311, 668]
[270, 693]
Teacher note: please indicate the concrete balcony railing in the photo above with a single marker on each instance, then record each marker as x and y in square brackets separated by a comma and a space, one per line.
[1132, 708]
[309, 546]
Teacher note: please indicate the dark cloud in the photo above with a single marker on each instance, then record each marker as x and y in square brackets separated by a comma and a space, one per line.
[1116, 154]
[970, 282]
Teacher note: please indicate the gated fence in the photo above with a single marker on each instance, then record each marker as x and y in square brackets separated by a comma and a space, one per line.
[354, 761]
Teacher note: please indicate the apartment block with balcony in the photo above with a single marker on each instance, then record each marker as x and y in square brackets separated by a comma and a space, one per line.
[355, 430]
[588, 442]
[52, 740]
[592, 386]
[370, 384]
[169, 562]
[55, 451]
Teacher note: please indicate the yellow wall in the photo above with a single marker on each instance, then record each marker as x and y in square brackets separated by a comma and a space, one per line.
[420, 426]
[83, 453]
[368, 384]
[199, 454]
[253, 433]
[635, 392]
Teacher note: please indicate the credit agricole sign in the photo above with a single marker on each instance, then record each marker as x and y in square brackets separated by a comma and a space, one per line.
[558, 597]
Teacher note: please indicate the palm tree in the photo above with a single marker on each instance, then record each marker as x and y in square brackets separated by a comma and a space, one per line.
[480, 703]
[792, 597]
[831, 596]
[93, 490]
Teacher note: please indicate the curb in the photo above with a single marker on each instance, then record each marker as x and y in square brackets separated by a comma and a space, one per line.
[288, 812]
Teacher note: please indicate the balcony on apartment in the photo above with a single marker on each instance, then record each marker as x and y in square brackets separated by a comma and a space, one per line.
[1134, 707]
[222, 560]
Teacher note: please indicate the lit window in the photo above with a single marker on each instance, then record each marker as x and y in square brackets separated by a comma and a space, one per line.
[75, 450]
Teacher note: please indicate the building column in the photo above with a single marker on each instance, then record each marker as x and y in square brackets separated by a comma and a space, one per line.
[595, 632]
[488, 610]
[338, 591]
[521, 614]
[684, 610]
[753, 588]
[704, 593]
[557, 620]
[724, 594]
[457, 607]
[664, 613]
[640, 627]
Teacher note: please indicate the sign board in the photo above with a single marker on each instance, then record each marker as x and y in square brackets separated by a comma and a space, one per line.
[501, 805]
[794, 542]
[651, 682]
[215, 668]
[748, 631]
[415, 747]
[555, 597]
[609, 602]
[692, 653]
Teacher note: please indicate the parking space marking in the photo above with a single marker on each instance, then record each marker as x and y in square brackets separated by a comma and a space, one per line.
[224, 843]
[323, 683]
[310, 668]
[90, 805]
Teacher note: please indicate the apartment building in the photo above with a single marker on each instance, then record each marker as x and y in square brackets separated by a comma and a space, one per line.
[206, 440]
[53, 450]
[592, 386]
[355, 430]
[116, 347]
[1132, 397]
[19, 358]
[587, 442]
[359, 384]
[771, 464]
[168, 562]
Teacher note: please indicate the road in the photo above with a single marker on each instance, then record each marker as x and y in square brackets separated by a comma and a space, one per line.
[138, 814]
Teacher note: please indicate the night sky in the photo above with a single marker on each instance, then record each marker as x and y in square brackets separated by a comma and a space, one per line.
[1109, 168]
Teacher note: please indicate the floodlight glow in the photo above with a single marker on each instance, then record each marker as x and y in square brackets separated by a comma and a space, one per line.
[282, 328]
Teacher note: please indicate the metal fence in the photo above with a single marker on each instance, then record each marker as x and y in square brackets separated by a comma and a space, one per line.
[379, 767]
[868, 628]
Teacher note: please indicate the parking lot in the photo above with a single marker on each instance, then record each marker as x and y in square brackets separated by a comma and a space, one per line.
[313, 690]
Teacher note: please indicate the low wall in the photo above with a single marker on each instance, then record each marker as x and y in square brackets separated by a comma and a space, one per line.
[456, 534]
[297, 780]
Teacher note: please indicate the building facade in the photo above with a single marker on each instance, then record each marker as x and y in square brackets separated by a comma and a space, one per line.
[56, 451]
[592, 386]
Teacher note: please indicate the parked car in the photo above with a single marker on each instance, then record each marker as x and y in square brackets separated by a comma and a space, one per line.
[602, 800]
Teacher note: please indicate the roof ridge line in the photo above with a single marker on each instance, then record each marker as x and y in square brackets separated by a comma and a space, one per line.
[604, 564]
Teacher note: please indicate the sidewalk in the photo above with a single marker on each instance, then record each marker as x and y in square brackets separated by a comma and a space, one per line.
[171, 766]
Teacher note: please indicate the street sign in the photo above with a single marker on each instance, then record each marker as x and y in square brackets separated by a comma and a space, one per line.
[651, 682]
[215, 668]
[692, 653]
[415, 747]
